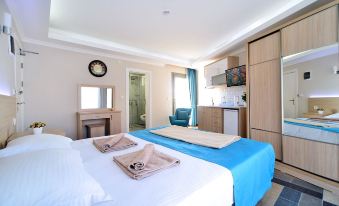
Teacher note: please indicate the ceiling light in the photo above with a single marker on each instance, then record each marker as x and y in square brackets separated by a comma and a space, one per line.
[166, 12]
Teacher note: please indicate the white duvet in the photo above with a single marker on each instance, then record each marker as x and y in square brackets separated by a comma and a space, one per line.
[194, 182]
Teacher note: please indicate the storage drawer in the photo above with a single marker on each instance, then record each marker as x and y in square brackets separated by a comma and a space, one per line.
[270, 137]
[317, 157]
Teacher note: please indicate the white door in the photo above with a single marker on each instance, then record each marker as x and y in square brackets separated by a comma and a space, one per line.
[290, 94]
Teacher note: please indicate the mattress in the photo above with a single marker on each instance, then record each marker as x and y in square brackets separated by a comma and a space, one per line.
[311, 133]
[193, 182]
[250, 162]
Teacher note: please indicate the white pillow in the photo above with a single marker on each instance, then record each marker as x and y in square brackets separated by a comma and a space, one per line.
[333, 116]
[48, 177]
[34, 143]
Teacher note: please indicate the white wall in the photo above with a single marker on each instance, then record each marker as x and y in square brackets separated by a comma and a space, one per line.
[7, 61]
[52, 77]
[218, 93]
[323, 82]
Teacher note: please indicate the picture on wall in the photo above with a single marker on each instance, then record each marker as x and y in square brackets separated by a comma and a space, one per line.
[236, 76]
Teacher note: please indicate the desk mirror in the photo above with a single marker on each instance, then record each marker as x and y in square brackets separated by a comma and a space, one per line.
[96, 97]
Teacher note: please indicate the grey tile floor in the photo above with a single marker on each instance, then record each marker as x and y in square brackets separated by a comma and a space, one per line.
[134, 127]
[291, 191]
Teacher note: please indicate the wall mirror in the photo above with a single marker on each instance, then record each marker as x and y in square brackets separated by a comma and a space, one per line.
[310, 84]
[96, 97]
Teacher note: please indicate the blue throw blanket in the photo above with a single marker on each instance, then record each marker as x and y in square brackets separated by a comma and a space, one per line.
[329, 129]
[250, 162]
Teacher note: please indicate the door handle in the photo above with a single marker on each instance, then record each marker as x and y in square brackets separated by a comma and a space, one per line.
[292, 100]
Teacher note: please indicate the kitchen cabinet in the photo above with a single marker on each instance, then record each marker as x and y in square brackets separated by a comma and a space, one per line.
[219, 68]
[213, 119]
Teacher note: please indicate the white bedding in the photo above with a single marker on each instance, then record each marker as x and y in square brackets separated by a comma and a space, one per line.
[311, 133]
[50, 177]
[193, 182]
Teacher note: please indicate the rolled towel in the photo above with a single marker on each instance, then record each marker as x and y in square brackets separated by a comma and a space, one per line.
[113, 143]
[158, 161]
[140, 161]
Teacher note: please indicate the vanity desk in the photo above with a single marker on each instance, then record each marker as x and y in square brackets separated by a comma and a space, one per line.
[96, 106]
[111, 119]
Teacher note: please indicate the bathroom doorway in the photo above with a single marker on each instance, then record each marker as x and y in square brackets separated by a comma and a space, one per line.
[138, 99]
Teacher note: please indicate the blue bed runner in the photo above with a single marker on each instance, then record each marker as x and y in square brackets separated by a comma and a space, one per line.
[328, 129]
[250, 162]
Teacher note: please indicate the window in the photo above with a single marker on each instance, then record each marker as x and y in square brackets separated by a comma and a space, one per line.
[181, 97]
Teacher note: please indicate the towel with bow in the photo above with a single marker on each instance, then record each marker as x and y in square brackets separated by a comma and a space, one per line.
[145, 162]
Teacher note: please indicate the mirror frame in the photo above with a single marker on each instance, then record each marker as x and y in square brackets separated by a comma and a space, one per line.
[100, 86]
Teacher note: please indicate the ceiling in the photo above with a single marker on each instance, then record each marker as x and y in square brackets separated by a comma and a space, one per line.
[192, 32]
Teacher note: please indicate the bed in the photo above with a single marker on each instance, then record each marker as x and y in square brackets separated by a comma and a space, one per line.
[54, 170]
[193, 182]
[209, 176]
[205, 176]
[321, 130]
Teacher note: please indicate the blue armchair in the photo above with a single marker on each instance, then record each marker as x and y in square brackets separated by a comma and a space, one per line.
[181, 118]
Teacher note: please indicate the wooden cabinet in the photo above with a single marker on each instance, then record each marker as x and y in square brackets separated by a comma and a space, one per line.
[111, 120]
[317, 157]
[318, 30]
[210, 119]
[219, 67]
[270, 137]
[265, 49]
[265, 96]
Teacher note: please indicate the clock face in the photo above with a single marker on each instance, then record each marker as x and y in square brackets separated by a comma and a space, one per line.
[97, 68]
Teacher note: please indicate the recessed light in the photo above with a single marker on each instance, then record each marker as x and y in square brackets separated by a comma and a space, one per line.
[166, 12]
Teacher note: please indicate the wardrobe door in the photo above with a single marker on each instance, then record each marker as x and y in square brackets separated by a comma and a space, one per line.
[318, 30]
[265, 96]
[270, 137]
[265, 49]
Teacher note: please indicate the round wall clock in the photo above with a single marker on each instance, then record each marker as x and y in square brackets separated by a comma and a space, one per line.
[97, 68]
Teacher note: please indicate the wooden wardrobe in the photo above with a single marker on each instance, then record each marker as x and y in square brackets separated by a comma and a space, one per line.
[265, 90]
[318, 28]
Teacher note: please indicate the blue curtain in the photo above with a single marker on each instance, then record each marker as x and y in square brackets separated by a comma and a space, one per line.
[192, 84]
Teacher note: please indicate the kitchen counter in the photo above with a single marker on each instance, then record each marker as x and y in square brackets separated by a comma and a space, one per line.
[223, 106]
[222, 119]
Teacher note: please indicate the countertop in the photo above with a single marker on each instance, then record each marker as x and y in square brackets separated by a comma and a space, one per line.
[224, 106]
